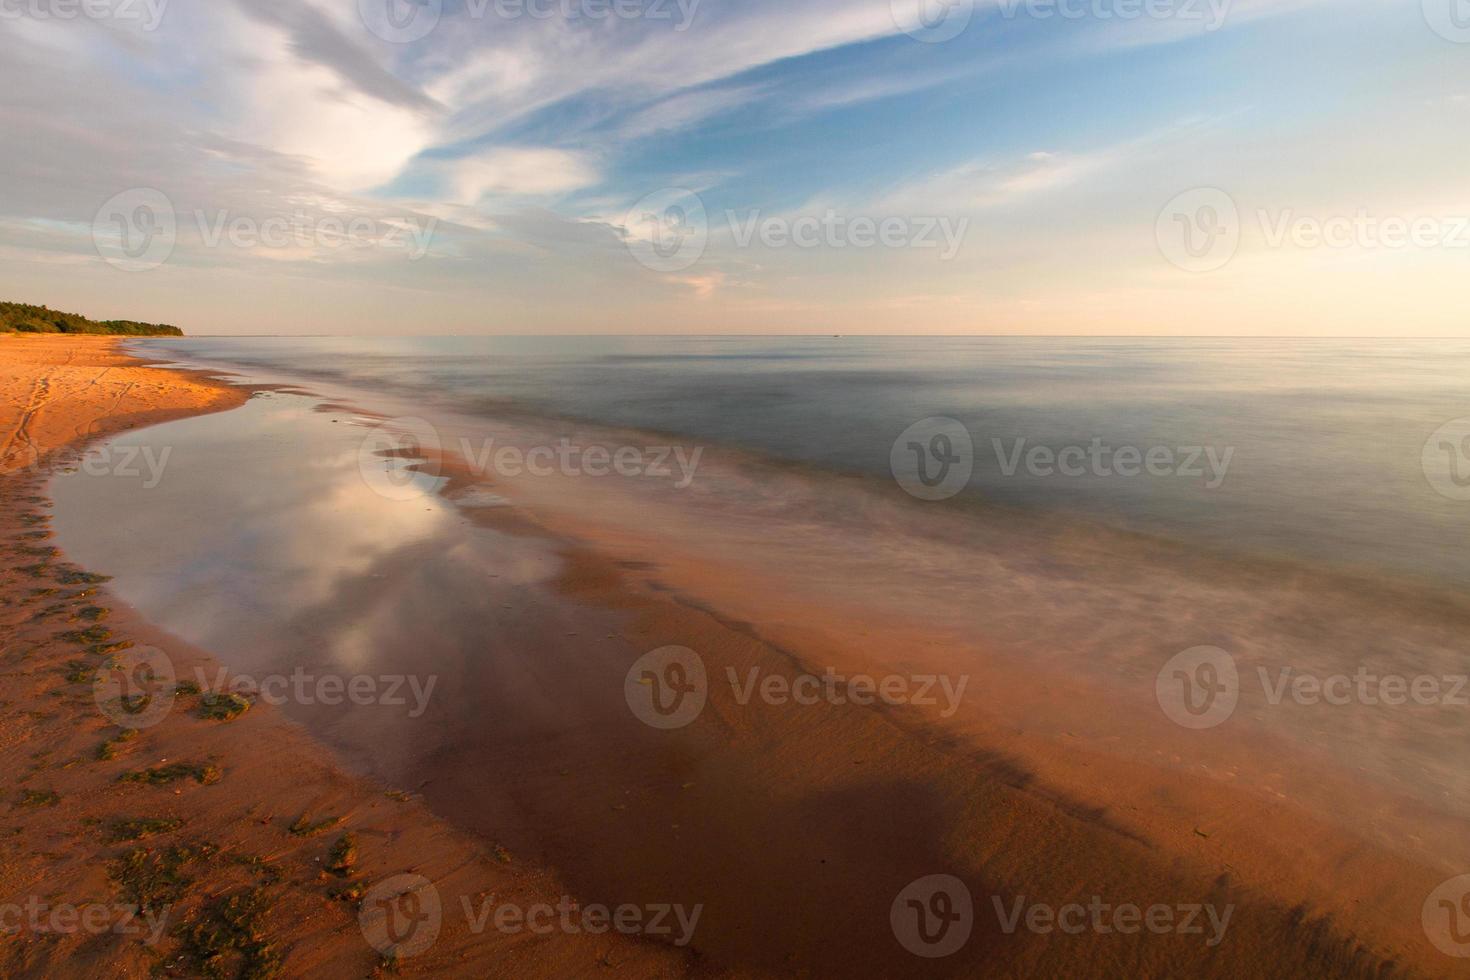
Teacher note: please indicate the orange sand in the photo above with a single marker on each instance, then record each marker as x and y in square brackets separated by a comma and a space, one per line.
[59, 850]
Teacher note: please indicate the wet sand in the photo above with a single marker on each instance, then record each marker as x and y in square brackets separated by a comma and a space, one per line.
[856, 802]
[795, 827]
[246, 889]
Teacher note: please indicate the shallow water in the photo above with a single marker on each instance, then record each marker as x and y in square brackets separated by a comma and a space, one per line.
[252, 535]
[273, 541]
[1325, 438]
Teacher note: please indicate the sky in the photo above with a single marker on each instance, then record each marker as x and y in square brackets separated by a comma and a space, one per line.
[1174, 167]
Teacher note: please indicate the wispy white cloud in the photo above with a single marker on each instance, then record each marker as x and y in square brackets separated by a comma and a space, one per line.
[530, 138]
[518, 171]
[991, 182]
[986, 184]
[685, 109]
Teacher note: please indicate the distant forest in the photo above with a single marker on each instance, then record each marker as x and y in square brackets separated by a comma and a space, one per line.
[24, 318]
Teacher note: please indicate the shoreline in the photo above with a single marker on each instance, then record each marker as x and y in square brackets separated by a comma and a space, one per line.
[956, 781]
[1431, 592]
[218, 857]
[808, 822]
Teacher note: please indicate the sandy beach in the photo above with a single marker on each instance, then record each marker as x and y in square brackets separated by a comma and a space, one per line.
[793, 830]
[209, 853]
[747, 489]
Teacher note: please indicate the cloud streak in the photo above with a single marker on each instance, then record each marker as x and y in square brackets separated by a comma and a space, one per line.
[528, 138]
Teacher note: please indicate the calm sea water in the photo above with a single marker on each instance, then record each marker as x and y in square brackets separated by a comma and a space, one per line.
[1325, 439]
[270, 542]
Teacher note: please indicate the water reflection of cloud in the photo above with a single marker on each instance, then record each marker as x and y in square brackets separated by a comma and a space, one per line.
[260, 504]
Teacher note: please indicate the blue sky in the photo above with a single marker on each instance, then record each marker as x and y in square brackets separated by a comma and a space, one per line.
[646, 171]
